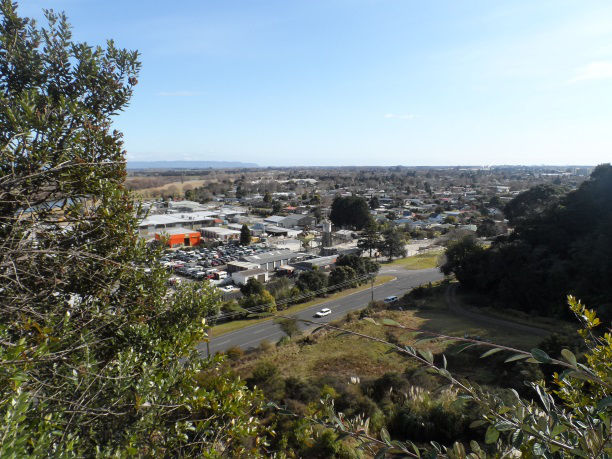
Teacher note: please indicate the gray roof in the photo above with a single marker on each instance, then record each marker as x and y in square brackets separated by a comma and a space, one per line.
[320, 261]
[250, 272]
[274, 218]
[269, 257]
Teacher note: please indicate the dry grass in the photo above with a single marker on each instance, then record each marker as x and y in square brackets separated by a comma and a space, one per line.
[337, 354]
[176, 186]
[333, 354]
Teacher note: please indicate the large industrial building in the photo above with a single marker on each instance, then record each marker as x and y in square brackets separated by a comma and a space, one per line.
[219, 234]
[177, 237]
[271, 260]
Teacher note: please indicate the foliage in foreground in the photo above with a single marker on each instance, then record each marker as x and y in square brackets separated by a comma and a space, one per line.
[97, 356]
[571, 418]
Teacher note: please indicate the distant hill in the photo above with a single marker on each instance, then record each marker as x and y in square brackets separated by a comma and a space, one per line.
[188, 164]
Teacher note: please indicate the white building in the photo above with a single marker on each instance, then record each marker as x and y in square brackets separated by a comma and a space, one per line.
[242, 277]
[220, 234]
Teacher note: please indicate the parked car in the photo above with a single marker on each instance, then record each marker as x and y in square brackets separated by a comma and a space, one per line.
[391, 299]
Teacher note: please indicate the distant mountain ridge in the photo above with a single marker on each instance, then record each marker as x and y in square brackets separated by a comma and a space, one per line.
[188, 164]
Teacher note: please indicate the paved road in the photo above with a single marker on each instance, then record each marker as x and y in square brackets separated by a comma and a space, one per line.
[251, 336]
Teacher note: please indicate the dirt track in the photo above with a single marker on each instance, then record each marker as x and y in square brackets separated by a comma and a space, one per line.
[453, 306]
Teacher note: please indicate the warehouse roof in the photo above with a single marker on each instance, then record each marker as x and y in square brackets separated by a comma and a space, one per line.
[242, 264]
[160, 220]
[269, 257]
[172, 231]
[219, 231]
[274, 219]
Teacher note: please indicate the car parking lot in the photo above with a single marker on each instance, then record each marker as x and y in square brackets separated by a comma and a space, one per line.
[207, 263]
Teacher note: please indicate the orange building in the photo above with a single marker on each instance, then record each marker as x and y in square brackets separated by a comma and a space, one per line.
[177, 237]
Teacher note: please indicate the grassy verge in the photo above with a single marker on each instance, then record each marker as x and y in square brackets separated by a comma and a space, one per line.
[420, 261]
[341, 355]
[227, 327]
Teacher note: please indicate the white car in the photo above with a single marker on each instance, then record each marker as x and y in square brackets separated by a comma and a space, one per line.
[391, 299]
[323, 312]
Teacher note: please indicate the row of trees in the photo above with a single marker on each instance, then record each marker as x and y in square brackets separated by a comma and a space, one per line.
[349, 272]
[390, 241]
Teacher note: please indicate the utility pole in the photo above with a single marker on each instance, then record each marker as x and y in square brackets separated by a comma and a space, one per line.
[208, 343]
[372, 286]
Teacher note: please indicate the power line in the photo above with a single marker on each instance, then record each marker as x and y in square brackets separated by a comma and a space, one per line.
[295, 299]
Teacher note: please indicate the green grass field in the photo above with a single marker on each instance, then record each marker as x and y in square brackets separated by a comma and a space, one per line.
[420, 261]
[227, 327]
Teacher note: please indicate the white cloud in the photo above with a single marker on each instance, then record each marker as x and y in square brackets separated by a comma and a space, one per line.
[180, 93]
[396, 116]
[594, 71]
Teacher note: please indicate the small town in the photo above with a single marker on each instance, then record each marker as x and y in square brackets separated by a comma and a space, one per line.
[306, 229]
[237, 225]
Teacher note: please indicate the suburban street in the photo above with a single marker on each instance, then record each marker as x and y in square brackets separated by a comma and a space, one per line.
[251, 336]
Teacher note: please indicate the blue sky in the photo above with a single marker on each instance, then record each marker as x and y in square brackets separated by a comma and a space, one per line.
[361, 82]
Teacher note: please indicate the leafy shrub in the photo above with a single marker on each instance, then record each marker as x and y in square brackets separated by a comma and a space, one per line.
[234, 353]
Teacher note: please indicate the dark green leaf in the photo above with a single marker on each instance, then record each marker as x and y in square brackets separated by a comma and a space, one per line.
[540, 355]
[492, 435]
[604, 403]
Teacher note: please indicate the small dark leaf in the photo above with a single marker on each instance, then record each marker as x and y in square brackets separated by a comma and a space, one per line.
[540, 355]
[604, 403]
[517, 438]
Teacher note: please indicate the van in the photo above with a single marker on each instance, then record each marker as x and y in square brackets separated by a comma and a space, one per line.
[391, 299]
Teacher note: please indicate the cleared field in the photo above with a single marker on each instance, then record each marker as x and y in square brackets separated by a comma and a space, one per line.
[174, 186]
[420, 261]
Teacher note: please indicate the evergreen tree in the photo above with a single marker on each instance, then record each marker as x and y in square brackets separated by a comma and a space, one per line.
[393, 244]
[311, 281]
[245, 235]
[351, 211]
[370, 237]
[96, 357]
